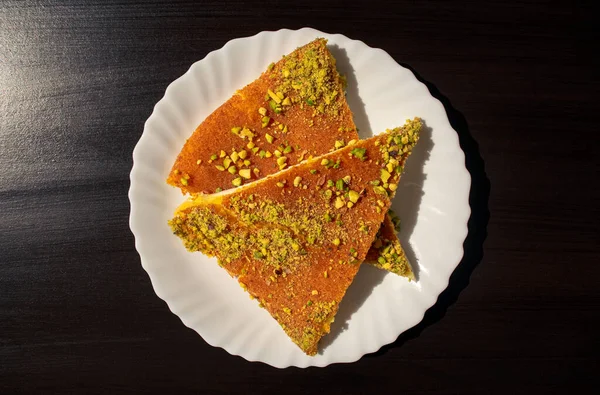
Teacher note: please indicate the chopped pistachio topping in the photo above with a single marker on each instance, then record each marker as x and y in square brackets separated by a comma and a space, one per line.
[265, 121]
[380, 190]
[274, 106]
[273, 96]
[281, 160]
[237, 181]
[245, 173]
[245, 132]
[385, 175]
[391, 256]
[297, 181]
[359, 153]
[269, 138]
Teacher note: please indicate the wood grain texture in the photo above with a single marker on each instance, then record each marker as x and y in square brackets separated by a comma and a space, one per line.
[79, 78]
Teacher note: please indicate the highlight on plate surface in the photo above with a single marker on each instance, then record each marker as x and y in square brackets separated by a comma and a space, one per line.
[287, 197]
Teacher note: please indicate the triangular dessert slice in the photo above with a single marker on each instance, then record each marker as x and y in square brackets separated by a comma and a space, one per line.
[295, 110]
[295, 240]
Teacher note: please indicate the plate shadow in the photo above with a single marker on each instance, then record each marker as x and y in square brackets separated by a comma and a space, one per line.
[412, 181]
[359, 114]
[367, 278]
[411, 184]
[407, 202]
[477, 225]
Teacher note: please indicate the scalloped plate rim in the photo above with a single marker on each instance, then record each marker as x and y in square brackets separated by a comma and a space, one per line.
[460, 233]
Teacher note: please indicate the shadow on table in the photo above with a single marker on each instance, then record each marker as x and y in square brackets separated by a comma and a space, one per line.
[477, 225]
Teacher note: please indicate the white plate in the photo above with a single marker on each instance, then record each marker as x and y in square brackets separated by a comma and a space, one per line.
[432, 202]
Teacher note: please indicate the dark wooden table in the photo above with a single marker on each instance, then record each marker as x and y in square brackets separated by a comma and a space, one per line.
[79, 78]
